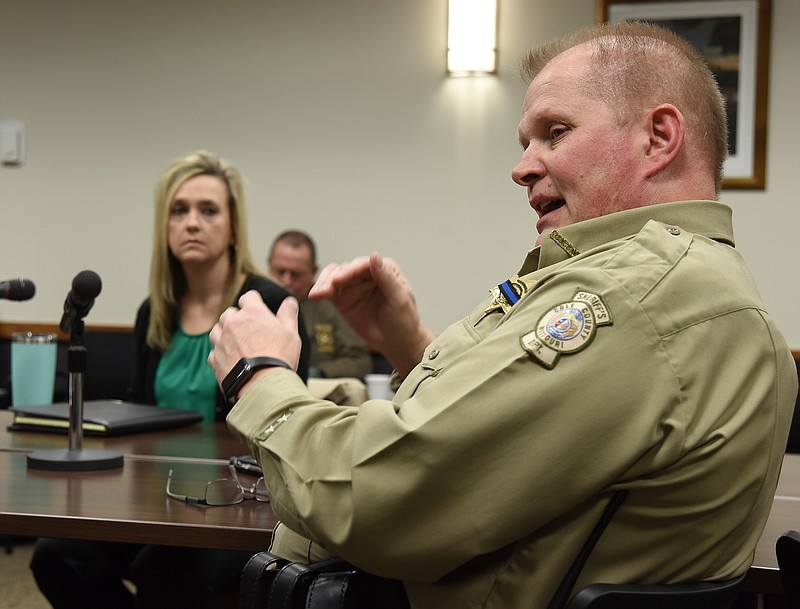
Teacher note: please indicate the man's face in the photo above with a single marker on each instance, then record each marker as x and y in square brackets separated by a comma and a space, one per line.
[293, 268]
[578, 162]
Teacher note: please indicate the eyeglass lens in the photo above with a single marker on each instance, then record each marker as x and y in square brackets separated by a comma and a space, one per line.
[229, 492]
[223, 492]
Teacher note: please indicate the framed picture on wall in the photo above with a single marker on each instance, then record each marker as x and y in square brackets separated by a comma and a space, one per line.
[733, 35]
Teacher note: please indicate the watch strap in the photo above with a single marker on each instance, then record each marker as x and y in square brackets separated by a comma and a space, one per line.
[256, 363]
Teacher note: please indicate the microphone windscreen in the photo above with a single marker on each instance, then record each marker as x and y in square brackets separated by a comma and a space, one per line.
[86, 285]
[18, 289]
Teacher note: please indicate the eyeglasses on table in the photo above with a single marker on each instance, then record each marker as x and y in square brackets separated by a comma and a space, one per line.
[224, 491]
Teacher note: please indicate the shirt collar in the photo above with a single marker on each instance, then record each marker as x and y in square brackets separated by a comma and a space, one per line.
[711, 219]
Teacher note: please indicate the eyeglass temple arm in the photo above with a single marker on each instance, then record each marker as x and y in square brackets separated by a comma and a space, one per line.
[232, 469]
[185, 498]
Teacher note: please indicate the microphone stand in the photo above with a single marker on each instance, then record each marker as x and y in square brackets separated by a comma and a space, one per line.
[75, 458]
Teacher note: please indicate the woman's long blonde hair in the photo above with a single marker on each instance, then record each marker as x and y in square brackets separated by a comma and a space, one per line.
[167, 279]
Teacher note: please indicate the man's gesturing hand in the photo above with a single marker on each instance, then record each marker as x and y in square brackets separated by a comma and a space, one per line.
[253, 331]
[375, 298]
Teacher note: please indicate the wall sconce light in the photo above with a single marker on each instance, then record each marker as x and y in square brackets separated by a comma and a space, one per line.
[471, 37]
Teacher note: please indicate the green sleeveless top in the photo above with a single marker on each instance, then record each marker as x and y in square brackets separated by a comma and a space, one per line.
[184, 379]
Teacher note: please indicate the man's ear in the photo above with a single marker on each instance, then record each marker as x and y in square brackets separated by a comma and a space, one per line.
[665, 132]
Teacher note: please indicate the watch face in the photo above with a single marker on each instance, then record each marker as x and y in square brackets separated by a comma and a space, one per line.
[234, 379]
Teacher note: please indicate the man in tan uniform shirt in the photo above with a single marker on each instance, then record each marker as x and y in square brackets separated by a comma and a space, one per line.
[632, 351]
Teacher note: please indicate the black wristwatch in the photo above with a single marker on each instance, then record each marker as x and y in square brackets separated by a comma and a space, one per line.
[243, 370]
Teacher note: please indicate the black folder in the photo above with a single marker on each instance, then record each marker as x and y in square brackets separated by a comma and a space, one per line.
[102, 418]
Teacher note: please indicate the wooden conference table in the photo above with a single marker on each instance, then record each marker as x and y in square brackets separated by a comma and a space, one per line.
[130, 503]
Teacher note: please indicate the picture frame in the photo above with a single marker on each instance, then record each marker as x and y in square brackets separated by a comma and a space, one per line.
[734, 36]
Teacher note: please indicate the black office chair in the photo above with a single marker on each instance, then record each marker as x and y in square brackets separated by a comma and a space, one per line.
[793, 441]
[787, 548]
[700, 595]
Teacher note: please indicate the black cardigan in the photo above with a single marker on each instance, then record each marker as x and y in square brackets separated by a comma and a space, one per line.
[146, 358]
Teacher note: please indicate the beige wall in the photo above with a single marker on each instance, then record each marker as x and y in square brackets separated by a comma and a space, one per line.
[341, 118]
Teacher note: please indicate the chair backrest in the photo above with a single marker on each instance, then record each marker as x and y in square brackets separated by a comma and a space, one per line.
[109, 363]
[787, 549]
[699, 595]
[793, 441]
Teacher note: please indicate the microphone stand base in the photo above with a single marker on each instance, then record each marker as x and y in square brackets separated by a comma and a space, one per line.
[74, 460]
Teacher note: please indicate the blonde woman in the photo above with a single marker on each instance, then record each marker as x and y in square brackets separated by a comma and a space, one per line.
[200, 265]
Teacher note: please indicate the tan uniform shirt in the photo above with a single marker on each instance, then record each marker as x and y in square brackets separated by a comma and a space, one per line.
[335, 348]
[644, 361]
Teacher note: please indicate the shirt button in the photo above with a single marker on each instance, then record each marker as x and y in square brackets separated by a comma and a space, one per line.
[672, 230]
[433, 354]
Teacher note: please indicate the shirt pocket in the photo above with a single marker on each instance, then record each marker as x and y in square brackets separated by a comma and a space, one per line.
[448, 345]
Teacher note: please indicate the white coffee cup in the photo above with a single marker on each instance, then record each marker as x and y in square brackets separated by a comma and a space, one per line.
[378, 387]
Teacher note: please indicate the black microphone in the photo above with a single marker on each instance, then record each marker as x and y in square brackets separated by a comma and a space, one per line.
[85, 288]
[17, 289]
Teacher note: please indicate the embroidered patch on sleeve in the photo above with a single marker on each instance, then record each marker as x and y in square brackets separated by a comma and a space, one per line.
[272, 427]
[566, 328]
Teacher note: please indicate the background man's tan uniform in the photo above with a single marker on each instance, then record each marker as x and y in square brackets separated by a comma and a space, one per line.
[335, 348]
